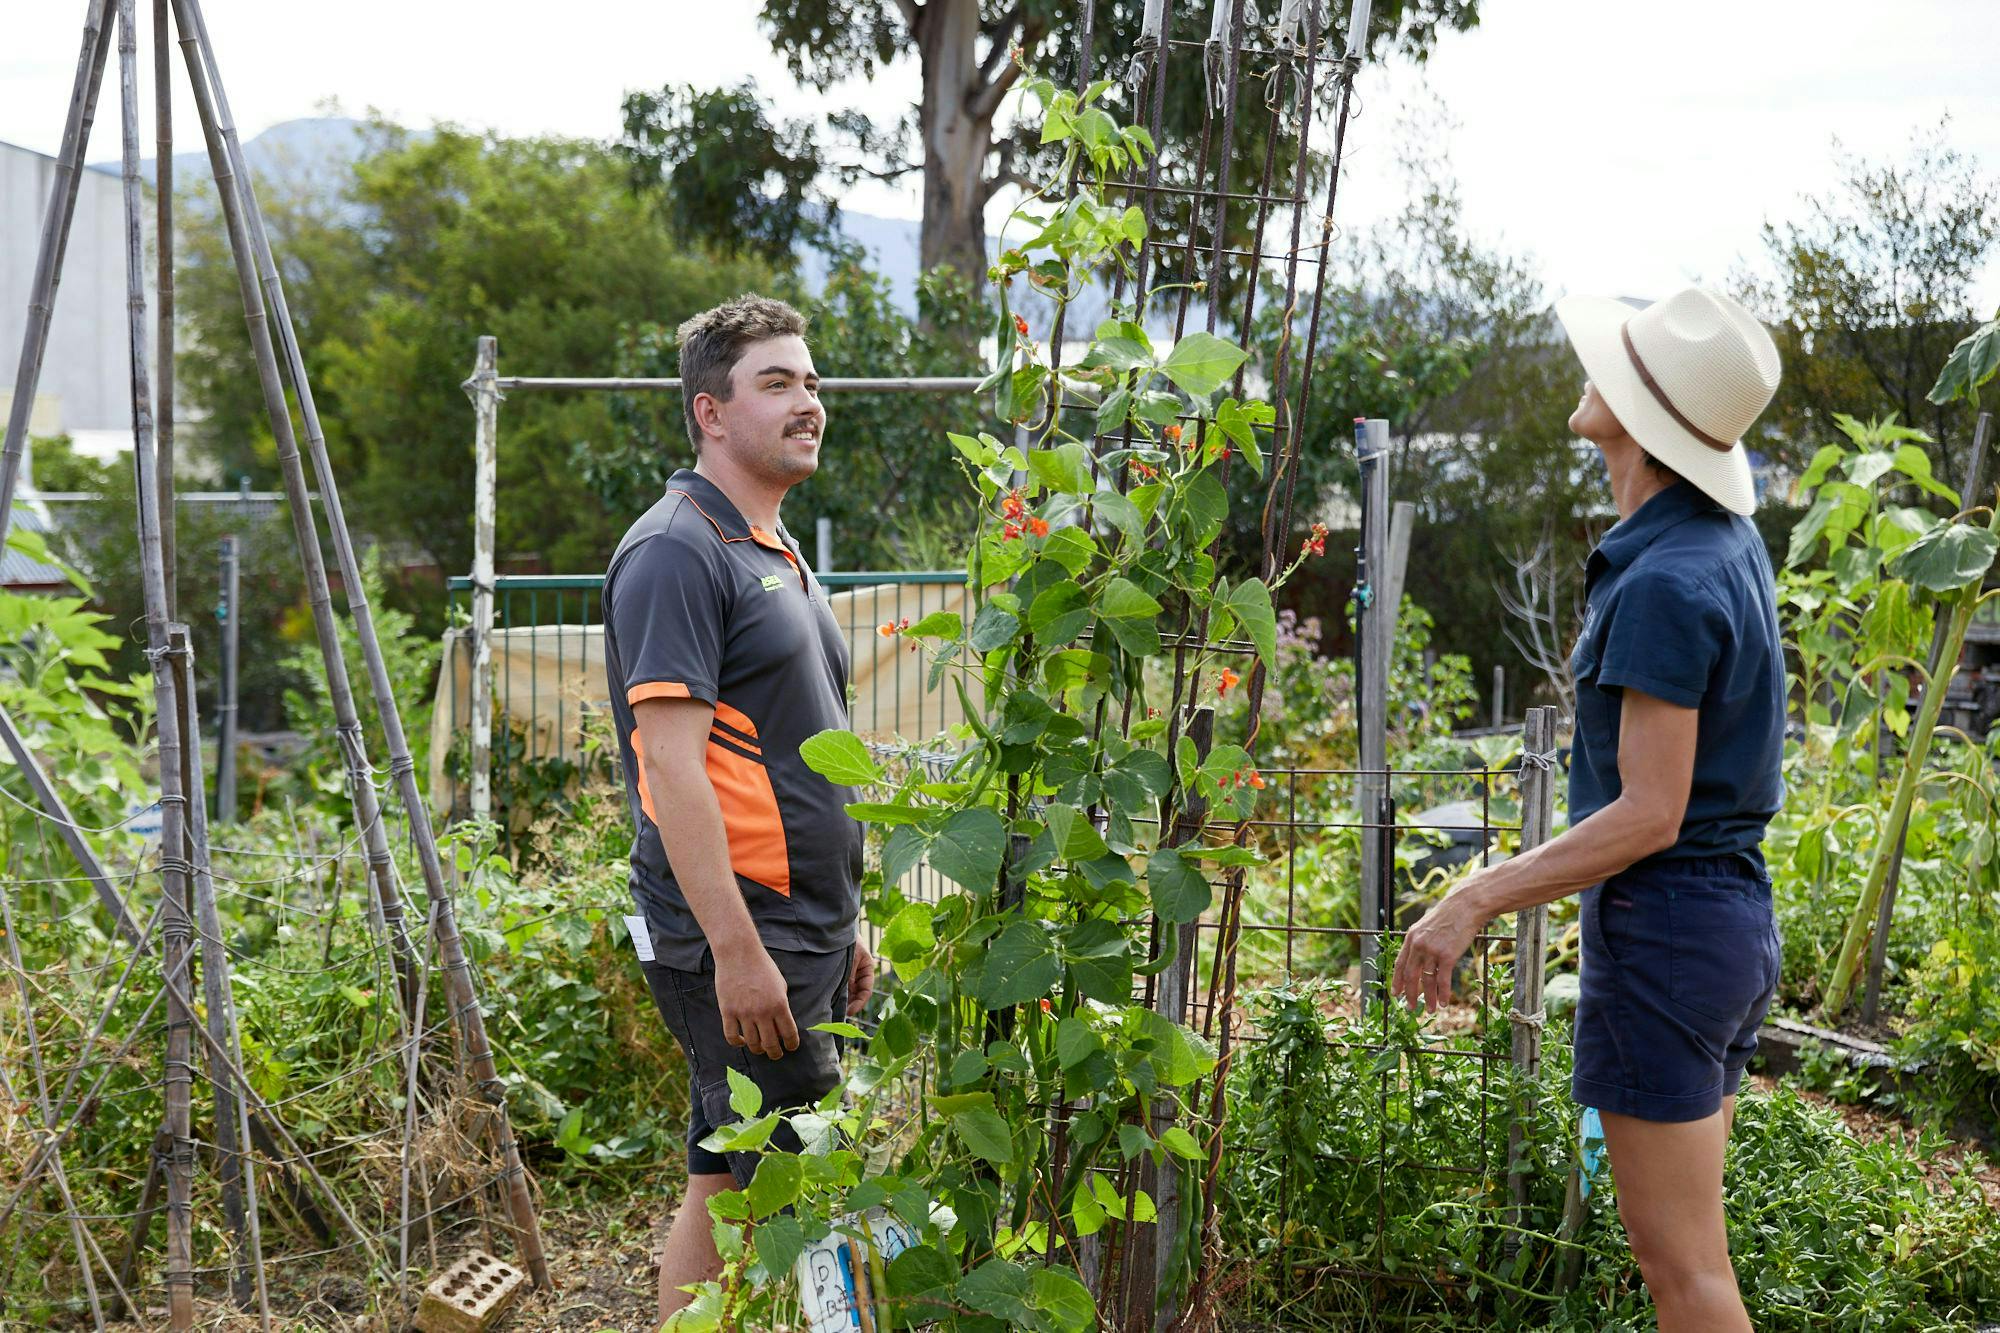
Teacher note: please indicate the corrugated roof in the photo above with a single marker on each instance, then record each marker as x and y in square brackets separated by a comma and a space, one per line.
[22, 571]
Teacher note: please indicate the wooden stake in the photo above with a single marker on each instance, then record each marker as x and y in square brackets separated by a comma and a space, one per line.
[1374, 641]
[1531, 948]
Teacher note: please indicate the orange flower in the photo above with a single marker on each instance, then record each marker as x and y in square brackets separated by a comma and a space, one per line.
[1012, 506]
[1227, 683]
[1047, 1008]
[1010, 531]
[1256, 779]
[886, 630]
[1038, 526]
[1173, 434]
[1146, 471]
[1021, 326]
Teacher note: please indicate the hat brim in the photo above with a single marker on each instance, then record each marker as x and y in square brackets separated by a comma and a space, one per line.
[1594, 325]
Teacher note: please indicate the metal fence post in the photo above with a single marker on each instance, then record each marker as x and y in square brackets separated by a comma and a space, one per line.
[1375, 629]
[228, 612]
[485, 393]
[1531, 938]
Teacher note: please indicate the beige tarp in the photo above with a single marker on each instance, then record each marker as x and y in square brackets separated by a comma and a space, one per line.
[548, 678]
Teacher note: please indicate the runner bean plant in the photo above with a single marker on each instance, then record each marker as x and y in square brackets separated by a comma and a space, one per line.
[1012, 1086]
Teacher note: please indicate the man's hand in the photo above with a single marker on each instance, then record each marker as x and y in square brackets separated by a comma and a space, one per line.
[1432, 949]
[754, 1000]
[861, 980]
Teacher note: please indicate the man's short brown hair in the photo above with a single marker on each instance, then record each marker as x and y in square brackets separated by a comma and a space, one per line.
[712, 342]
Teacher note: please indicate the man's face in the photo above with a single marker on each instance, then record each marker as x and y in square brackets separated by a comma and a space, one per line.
[773, 422]
[1593, 418]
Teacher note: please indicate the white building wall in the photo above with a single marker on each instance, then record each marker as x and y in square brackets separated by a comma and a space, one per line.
[86, 376]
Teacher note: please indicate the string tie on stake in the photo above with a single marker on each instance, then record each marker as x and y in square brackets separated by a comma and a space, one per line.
[1542, 759]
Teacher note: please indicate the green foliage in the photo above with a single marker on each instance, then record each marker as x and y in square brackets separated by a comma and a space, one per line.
[1871, 289]
[436, 239]
[1329, 1134]
[883, 457]
[411, 660]
[724, 176]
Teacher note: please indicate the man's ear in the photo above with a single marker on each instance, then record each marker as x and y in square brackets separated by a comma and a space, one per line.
[708, 413]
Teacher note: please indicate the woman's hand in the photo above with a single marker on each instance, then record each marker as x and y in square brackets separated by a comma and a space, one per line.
[1432, 949]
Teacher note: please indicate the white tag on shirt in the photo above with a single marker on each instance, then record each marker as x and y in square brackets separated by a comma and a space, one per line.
[642, 937]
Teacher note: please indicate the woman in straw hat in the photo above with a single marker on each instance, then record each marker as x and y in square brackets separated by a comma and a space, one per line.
[1674, 773]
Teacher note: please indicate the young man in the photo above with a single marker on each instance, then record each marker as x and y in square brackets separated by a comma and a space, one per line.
[722, 658]
[1674, 773]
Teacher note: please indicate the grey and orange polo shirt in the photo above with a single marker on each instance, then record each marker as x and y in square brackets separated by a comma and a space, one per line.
[698, 604]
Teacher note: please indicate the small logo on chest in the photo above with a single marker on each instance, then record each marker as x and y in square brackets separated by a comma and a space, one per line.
[773, 582]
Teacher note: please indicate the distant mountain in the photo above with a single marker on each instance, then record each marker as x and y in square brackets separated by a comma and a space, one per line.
[314, 149]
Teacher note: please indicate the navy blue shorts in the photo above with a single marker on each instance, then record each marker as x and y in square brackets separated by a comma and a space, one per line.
[1680, 961]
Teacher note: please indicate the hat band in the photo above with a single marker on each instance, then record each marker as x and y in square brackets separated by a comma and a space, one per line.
[1660, 396]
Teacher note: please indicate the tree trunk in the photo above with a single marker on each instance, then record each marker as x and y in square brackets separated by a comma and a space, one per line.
[956, 141]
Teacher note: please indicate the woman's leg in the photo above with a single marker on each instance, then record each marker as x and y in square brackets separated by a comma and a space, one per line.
[1669, 1180]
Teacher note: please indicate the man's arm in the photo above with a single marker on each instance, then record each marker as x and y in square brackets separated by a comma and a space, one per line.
[749, 990]
[1656, 744]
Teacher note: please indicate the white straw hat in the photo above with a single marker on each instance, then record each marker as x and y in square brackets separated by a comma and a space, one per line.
[1686, 377]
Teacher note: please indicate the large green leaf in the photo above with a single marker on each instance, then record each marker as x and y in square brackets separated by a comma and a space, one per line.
[1179, 1057]
[1063, 1300]
[985, 1135]
[1180, 891]
[839, 756]
[969, 848]
[1970, 364]
[993, 627]
[1949, 556]
[1250, 600]
[1123, 599]
[999, 1288]
[1065, 468]
[1076, 838]
[780, 1240]
[1200, 362]
[1059, 613]
[776, 1184]
[909, 935]
[1020, 965]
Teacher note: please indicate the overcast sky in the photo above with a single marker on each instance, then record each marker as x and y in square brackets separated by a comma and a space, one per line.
[1629, 147]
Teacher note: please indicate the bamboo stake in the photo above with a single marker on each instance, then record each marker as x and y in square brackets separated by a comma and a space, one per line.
[178, 1073]
[460, 990]
[239, 1203]
[163, 285]
[1531, 947]
[142, 1220]
[347, 723]
[55, 240]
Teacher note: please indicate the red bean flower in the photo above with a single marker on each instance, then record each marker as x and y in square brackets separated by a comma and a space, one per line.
[1021, 326]
[1227, 682]
[1038, 526]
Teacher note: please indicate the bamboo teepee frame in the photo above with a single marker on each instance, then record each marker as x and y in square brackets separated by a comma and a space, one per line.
[186, 897]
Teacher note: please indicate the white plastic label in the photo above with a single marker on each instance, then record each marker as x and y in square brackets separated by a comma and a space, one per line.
[832, 1284]
[642, 937]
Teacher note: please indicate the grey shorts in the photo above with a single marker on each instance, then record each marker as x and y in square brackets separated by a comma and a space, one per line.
[686, 1000]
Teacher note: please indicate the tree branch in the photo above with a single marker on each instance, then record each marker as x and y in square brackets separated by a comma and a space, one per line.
[984, 100]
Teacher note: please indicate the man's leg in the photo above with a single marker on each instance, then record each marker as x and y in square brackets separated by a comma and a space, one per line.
[1669, 1179]
[689, 1255]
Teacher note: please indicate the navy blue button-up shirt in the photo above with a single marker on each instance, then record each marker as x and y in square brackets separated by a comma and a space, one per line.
[1681, 604]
